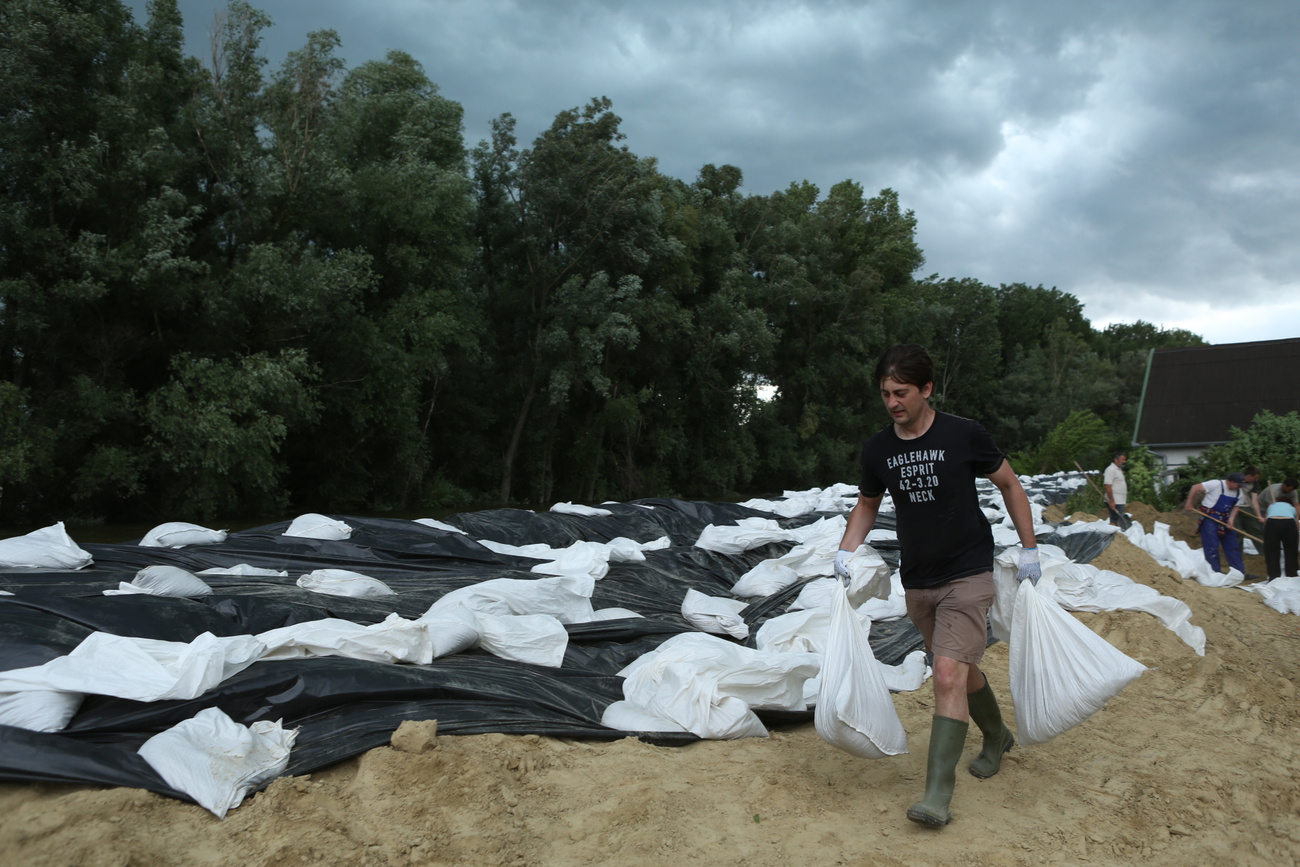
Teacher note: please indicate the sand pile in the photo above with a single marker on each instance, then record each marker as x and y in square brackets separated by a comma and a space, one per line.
[1197, 762]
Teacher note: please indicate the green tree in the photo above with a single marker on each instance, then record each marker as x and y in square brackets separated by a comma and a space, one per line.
[568, 227]
[953, 320]
[823, 268]
[1076, 440]
[218, 426]
[1272, 443]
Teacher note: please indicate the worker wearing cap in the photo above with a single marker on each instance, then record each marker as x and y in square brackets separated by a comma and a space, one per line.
[1219, 500]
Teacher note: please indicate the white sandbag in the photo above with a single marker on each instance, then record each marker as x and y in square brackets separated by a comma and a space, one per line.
[824, 534]
[625, 550]
[343, 582]
[869, 579]
[48, 548]
[855, 711]
[163, 581]
[393, 640]
[580, 558]
[537, 639]
[804, 630]
[439, 525]
[178, 534]
[1061, 671]
[715, 614]
[143, 669]
[908, 675]
[772, 575]
[1083, 587]
[535, 551]
[746, 534]
[880, 534]
[694, 703]
[760, 679]
[1087, 527]
[217, 761]
[818, 593]
[1179, 556]
[243, 570]
[892, 607]
[452, 629]
[580, 510]
[1002, 612]
[314, 526]
[566, 598]
[1280, 594]
[626, 717]
[39, 710]
[614, 614]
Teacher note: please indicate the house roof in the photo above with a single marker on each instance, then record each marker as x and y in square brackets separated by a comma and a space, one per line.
[1194, 395]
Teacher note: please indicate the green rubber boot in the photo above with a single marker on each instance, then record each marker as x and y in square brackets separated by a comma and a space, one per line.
[947, 737]
[998, 739]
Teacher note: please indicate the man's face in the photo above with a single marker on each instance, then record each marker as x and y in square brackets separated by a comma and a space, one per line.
[904, 401]
[1121, 461]
[1232, 486]
[1253, 478]
[1288, 490]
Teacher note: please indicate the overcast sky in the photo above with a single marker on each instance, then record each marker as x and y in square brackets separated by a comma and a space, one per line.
[1143, 156]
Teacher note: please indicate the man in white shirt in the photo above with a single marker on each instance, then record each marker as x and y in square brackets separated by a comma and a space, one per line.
[1117, 490]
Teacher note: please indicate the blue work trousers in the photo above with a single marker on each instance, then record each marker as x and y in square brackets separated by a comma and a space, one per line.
[1212, 535]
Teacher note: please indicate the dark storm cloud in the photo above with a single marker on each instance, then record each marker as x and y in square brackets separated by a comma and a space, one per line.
[1142, 156]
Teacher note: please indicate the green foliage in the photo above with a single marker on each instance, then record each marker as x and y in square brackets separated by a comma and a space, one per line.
[1143, 474]
[217, 427]
[1272, 443]
[231, 287]
[21, 444]
[1077, 439]
[1087, 499]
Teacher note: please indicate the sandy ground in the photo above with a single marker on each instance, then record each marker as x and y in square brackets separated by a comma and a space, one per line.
[1196, 762]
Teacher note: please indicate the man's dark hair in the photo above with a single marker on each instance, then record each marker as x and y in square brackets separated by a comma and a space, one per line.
[1291, 483]
[1252, 471]
[908, 363]
[1118, 455]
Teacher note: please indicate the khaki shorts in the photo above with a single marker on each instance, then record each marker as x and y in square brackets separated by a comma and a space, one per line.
[953, 618]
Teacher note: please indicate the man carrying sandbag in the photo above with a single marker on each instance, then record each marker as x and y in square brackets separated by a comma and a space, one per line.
[928, 461]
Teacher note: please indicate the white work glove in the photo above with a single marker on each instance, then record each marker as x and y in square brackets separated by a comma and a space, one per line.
[842, 565]
[1028, 566]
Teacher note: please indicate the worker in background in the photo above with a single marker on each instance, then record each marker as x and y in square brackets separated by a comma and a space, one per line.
[1117, 490]
[1219, 500]
[1281, 529]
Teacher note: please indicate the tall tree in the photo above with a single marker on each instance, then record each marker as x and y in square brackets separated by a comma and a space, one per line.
[568, 227]
[824, 267]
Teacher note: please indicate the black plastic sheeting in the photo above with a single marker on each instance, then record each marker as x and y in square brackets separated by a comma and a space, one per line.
[343, 707]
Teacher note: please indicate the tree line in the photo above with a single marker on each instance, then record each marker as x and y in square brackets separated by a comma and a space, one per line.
[232, 290]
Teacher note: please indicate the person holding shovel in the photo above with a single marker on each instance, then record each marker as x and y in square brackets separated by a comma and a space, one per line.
[928, 461]
[1219, 501]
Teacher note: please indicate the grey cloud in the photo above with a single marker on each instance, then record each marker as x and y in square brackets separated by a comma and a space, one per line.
[1115, 148]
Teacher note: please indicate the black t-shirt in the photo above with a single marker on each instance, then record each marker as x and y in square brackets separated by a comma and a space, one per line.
[941, 529]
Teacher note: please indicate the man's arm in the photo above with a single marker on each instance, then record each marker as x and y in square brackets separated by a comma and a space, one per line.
[1198, 488]
[1013, 496]
[861, 520]
[1110, 496]
[1254, 501]
[1232, 516]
